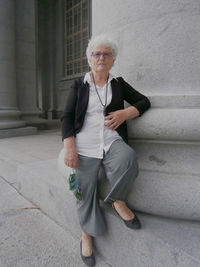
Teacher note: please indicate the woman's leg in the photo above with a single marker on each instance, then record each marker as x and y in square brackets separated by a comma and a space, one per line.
[86, 244]
[121, 169]
[90, 215]
[121, 208]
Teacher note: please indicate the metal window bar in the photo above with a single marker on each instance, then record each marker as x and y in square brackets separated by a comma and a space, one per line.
[76, 36]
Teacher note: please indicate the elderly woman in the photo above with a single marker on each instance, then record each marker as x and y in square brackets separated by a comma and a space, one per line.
[95, 133]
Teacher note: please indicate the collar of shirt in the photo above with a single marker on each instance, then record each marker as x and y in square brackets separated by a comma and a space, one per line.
[88, 79]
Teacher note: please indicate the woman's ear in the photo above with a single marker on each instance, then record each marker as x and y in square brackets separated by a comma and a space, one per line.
[89, 62]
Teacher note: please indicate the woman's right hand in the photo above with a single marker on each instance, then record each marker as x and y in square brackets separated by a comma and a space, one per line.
[71, 155]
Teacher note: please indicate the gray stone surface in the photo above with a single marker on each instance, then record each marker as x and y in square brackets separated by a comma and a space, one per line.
[164, 194]
[159, 42]
[8, 92]
[28, 236]
[168, 181]
[167, 124]
[10, 123]
[4, 133]
[42, 124]
[59, 70]
[26, 58]
[53, 196]
[179, 158]
[49, 55]
[17, 151]
[173, 101]
[159, 243]
[29, 164]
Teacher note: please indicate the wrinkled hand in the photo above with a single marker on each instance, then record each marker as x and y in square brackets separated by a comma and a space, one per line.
[115, 119]
[71, 157]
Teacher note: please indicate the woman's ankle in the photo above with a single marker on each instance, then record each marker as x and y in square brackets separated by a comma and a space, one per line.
[86, 244]
[85, 236]
[119, 202]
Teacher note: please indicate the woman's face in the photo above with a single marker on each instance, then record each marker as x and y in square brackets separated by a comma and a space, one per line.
[101, 59]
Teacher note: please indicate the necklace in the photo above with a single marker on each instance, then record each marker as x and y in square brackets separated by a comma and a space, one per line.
[104, 105]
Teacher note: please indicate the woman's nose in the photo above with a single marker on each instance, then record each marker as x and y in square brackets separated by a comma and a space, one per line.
[102, 56]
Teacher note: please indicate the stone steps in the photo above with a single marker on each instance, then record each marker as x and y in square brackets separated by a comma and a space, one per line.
[161, 241]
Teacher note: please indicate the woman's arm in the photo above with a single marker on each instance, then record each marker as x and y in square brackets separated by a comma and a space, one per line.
[116, 118]
[67, 120]
[68, 115]
[71, 156]
[133, 97]
[139, 104]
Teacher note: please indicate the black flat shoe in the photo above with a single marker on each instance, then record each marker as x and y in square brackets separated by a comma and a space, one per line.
[88, 260]
[132, 224]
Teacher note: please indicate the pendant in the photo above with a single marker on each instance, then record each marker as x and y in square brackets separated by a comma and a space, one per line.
[104, 111]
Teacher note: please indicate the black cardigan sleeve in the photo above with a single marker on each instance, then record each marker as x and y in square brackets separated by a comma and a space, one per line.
[133, 97]
[68, 115]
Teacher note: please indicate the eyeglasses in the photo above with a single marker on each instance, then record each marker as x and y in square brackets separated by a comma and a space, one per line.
[97, 55]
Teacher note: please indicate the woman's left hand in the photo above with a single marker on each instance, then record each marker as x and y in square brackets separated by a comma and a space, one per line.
[114, 119]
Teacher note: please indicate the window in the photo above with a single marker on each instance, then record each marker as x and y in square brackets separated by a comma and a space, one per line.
[76, 36]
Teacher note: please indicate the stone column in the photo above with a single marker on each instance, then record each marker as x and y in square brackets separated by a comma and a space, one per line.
[52, 52]
[59, 71]
[46, 56]
[159, 54]
[26, 48]
[9, 113]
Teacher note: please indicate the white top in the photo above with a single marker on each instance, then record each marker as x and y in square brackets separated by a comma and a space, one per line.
[94, 137]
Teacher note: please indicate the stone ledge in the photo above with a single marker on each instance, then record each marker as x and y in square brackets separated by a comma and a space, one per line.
[175, 158]
[175, 101]
[166, 124]
[161, 194]
[158, 193]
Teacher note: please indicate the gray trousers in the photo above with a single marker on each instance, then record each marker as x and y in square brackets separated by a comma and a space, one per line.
[121, 169]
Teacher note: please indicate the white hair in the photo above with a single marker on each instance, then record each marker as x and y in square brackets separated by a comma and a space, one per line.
[101, 40]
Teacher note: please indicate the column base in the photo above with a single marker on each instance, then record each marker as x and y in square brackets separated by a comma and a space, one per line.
[5, 133]
[29, 115]
[44, 124]
[10, 119]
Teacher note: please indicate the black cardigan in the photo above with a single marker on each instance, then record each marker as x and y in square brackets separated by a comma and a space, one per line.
[75, 109]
